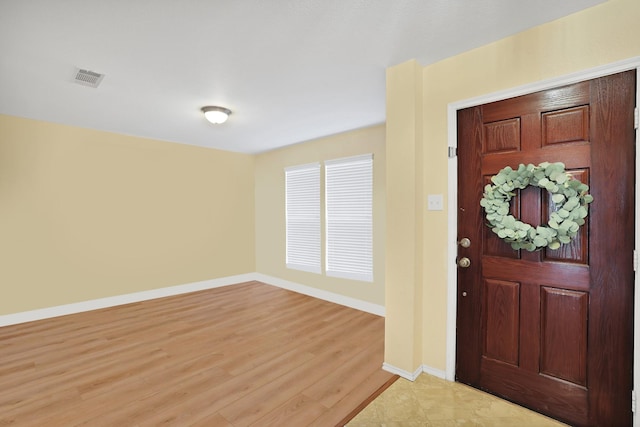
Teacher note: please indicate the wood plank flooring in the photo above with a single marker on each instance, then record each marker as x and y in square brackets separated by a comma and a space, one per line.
[243, 355]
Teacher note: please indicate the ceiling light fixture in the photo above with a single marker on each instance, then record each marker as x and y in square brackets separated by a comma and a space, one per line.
[216, 115]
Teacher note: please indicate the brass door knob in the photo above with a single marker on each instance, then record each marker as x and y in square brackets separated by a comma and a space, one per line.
[464, 262]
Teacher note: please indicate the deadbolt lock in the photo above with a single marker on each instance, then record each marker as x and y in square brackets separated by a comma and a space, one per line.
[465, 242]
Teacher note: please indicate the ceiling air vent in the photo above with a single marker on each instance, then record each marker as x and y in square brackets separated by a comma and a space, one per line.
[88, 78]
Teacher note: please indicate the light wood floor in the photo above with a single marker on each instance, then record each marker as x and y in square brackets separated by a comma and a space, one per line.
[247, 354]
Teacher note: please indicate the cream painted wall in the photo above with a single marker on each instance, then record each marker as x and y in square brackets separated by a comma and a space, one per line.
[403, 325]
[87, 214]
[600, 35]
[270, 209]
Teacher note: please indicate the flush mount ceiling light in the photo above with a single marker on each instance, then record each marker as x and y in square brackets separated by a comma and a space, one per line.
[216, 115]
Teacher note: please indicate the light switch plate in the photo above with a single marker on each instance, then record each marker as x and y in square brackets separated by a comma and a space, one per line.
[435, 202]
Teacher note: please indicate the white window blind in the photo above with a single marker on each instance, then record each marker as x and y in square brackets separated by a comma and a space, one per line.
[349, 217]
[302, 187]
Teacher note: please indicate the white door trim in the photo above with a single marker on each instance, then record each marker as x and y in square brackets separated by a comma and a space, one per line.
[616, 67]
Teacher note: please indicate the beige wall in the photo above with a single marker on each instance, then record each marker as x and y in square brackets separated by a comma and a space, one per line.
[404, 188]
[87, 214]
[599, 35]
[270, 209]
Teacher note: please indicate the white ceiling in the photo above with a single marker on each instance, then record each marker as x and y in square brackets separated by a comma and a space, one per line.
[290, 70]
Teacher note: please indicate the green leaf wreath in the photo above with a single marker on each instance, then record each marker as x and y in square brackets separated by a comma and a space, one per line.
[569, 196]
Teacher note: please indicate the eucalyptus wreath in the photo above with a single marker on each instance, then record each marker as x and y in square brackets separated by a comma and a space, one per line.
[568, 194]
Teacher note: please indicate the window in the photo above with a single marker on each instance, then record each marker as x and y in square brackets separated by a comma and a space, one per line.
[349, 217]
[302, 187]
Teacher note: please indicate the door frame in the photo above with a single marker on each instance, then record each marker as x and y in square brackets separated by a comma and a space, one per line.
[452, 197]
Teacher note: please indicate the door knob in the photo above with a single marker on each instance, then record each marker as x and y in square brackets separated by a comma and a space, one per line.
[464, 262]
[465, 242]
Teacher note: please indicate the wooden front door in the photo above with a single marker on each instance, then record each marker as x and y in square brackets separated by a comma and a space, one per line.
[551, 330]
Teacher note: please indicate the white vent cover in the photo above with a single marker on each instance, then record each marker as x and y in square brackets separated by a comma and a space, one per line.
[88, 78]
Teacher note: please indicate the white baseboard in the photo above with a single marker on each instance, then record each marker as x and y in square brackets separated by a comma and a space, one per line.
[96, 304]
[435, 372]
[62, 310]
[322, 294]
[411, 376]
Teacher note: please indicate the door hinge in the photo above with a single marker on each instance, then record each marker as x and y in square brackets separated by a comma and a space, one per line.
[635, 260]
[636, 118]
[453, 151]
[633, 401]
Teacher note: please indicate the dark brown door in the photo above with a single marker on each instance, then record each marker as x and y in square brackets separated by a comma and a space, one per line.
[551, 330]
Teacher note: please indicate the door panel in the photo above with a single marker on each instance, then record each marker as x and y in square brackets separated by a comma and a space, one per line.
[566, 125]
[552, 329]
[503, 135]
[577, 250]
[502, 320]
[563, 334]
